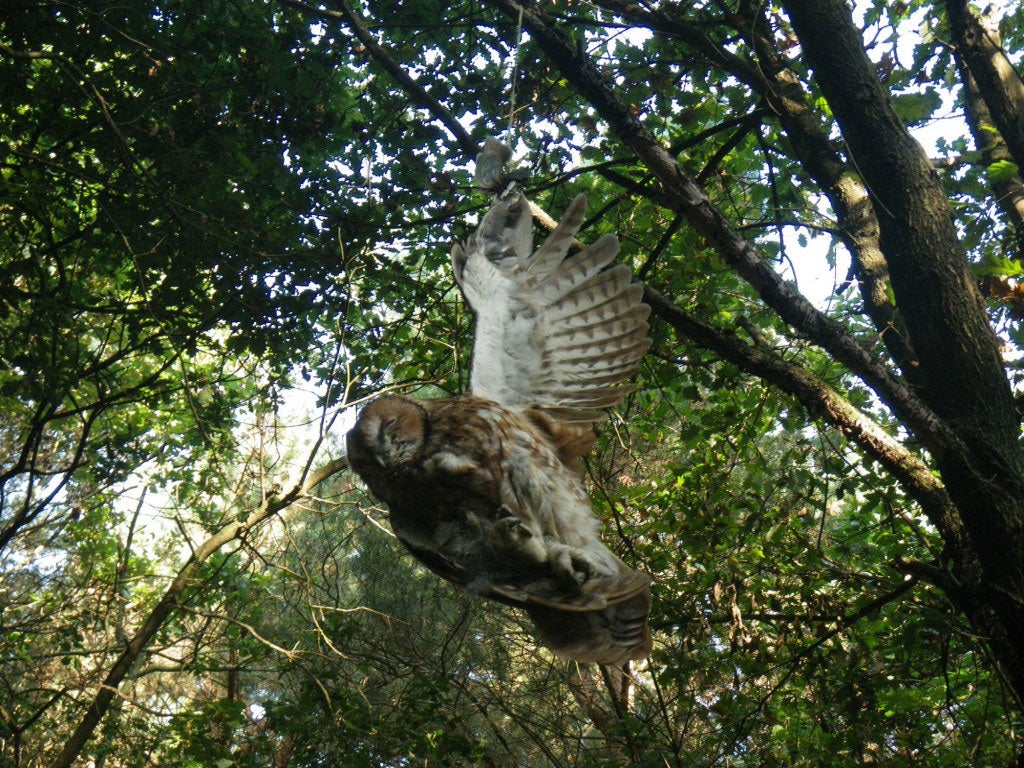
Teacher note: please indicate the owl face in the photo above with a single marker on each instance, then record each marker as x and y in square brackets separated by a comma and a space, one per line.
[390, 431]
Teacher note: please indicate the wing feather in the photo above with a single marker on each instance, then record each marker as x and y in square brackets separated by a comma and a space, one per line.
[553, 330]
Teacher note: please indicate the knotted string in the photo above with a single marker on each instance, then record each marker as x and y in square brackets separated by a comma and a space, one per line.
[513, 77]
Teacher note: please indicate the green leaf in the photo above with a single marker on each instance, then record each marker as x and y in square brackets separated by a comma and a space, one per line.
[998, 266]
[915, 108]
[1001, 170]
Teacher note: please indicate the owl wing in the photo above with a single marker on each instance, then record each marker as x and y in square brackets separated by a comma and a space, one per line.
[532, 591]
[559, 332]
[606, 622]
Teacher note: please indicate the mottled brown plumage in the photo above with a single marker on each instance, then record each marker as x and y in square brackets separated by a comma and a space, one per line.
[482, 495]
[485, 489]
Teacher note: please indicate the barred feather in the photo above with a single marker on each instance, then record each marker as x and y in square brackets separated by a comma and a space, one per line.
[565, 333]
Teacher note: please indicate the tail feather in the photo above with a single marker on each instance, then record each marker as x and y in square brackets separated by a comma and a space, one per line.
[612, 635]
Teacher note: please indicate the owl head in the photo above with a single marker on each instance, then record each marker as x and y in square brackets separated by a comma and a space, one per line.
[389, 432]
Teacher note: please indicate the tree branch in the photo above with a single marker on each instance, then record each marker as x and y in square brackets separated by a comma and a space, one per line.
[997, 80]
[937, 294]
[417, 92]
[990, 143]
[822, 401]
[776, 82]
[689, 199]
[858, 224]
[962, 377]
[168, 603]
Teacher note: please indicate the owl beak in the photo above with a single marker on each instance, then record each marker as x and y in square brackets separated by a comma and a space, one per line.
[386, 457]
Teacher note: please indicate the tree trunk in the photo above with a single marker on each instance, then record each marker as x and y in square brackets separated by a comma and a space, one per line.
[858, 225]
[988, 141]
[959, 404]
[997, 80]
[960, 375]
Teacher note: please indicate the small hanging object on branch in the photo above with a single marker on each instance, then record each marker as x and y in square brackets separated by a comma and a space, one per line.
[486, 489]
[491, 174]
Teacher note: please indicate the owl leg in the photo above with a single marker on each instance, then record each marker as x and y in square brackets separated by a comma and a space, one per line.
[515, 536]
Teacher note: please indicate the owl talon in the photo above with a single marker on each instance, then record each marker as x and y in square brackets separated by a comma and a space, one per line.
[514, 526]
[584, 569]
[512, 535]
[571, 567]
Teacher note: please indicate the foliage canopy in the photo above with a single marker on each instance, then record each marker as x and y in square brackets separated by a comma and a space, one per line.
[210, 213]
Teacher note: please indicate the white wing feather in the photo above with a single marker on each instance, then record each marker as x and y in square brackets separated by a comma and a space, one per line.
[561, 332]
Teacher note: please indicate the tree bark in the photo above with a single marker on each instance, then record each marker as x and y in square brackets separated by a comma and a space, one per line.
[961, 409]
[606, 708]
[987, 140]
[823, 402]
[911, 472]
[858, 225]
[775, 82]
[997, 80]
[960, 374]
[682, 194]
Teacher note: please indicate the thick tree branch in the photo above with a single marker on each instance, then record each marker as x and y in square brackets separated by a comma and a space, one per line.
[989, 142]
[961, 373]
[607, 713]
[999, 83]
[688, 198]
[822, 401]
[776, 82]
[934, 288]
[962, 579]
[858, 224]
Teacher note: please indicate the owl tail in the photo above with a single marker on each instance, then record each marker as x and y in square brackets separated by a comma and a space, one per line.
[611, 635]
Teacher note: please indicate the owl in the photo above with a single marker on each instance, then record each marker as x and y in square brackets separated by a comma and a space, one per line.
[486, 489]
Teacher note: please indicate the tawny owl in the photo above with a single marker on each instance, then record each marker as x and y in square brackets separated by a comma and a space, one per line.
[485, 489]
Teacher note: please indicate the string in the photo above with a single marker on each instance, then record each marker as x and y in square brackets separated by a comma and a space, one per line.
[513, 76]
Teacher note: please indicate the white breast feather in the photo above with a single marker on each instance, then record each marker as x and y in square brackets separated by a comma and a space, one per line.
[536, 481]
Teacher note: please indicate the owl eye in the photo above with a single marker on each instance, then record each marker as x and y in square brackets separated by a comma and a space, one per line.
[387, 428]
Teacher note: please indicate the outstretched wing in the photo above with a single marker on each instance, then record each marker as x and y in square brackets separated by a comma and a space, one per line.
[561, 332]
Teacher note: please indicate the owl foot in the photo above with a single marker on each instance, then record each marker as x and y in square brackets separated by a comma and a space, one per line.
[515, 536]
[572, 566]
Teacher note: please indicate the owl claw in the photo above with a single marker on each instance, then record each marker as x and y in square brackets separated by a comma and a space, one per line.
[571, 566]
[515, 536]
[515, 525]
[584, 569]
